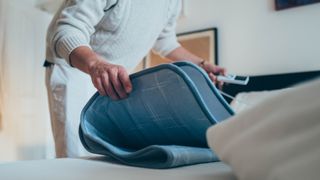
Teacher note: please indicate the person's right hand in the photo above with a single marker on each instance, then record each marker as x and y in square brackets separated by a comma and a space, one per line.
[110, 79]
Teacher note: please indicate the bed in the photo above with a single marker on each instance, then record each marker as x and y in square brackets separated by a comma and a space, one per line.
[105, 168]
[95, 169]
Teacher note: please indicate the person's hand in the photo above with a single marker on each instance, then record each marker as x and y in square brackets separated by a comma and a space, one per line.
[213, 71]
[110, 80]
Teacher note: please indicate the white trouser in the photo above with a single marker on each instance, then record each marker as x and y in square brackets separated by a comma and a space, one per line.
[68, 91]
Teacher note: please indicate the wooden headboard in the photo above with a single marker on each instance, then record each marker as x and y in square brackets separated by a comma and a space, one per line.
[270, 82]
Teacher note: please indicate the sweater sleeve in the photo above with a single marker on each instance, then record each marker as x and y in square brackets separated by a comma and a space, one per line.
[75, 24]
[167, 40]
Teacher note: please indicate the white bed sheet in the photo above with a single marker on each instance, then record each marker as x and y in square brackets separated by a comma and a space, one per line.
[85, 169]
[247, 100]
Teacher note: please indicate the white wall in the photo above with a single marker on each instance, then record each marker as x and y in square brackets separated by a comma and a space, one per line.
[26, 125]
[256, 39]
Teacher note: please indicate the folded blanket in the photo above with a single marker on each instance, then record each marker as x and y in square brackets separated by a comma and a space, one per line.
[161, 124]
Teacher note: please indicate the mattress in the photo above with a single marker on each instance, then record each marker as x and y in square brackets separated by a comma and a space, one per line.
[98, 168]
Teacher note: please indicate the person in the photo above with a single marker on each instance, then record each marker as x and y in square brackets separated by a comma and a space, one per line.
[104, 39]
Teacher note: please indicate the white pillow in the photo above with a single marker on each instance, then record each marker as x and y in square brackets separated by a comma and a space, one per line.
[279, 138]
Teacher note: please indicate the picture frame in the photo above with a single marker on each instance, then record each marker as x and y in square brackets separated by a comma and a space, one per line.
[284, 4]
[203, 43]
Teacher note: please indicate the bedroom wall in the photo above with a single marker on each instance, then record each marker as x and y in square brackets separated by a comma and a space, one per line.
[255, 39]
[25, 132]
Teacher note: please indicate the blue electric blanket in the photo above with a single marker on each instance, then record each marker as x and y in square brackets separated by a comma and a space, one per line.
[162, 124]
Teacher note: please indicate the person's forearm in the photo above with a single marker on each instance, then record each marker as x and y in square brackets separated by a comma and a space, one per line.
[181, 53]
[82, 58]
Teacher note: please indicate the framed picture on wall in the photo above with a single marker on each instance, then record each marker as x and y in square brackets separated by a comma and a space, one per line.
[203, 43]
[284, 4]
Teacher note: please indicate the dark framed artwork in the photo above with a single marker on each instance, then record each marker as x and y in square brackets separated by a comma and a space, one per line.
[284, 4]
[203, 43]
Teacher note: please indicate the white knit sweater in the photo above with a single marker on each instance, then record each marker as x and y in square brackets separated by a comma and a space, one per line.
[123, 34]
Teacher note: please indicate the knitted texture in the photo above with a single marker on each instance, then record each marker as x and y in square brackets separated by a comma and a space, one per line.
[123, 34]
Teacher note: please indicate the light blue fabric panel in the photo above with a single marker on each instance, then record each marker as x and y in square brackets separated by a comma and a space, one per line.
[162, 124]
[213, 100]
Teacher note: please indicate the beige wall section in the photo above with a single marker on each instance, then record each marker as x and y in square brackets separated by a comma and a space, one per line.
[256, 39]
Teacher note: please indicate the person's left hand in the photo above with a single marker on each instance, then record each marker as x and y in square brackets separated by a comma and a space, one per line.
[213, 71]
